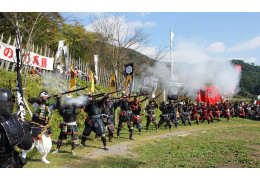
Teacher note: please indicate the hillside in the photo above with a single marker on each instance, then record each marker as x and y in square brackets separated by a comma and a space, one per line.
[250, 80]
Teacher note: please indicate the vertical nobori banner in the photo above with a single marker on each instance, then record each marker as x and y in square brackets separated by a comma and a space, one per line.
[66, 54]
[19, 87]
[96, 66]
[72, 78]
[112, 87]
[129, 72]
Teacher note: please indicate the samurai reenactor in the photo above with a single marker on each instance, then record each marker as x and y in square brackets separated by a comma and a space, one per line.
[210, 113]
[13, 132]
[172, 113]
[40, 123]
[226, 111]
[151, 117]
[216, 112]
[164, 117]
[94, 122]
[125, 116]
[68, 111]
[108, 109]
[185, 115]
[194, 114]
[136, 108]
[204, 115]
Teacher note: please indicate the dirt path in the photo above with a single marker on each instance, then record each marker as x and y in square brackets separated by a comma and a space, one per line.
[123, 148]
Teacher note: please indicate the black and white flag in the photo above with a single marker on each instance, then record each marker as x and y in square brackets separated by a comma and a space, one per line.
[19, 87]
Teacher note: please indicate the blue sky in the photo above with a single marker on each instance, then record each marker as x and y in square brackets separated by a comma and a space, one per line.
[198, 36]
[219, 30]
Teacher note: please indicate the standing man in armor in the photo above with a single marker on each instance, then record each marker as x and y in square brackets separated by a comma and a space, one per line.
[194, 114]
[108, 110]
[216, 112]
[136, 109]
[151, 117]
[164, 117]
[69, 126]
[125, 116]
[185, 113]
[173, 110]
[204, 114]
[226, 111]
[41, 131]
[13, 132]
[94, 122]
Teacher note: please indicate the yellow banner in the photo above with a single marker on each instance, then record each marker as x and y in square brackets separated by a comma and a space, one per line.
[92, 81]
[112, 86]
[72, 79]
[128, 82]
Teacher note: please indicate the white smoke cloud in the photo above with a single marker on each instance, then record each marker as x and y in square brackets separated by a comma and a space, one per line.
[55, 82]
[197, 76]
[78, 101]
[196, 68]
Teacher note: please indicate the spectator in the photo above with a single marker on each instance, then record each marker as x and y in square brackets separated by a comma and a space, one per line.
[59, 67]
[34, 72]
[39, 71]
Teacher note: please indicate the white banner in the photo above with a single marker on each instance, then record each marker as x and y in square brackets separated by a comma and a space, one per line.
[8, 53]
[96, 65]
[60, 48]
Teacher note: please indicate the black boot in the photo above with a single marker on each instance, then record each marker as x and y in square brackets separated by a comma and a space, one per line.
[131, 134]
[83, 140]
[103, 138]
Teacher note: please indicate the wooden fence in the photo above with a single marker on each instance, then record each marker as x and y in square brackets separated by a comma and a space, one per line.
[103, 74]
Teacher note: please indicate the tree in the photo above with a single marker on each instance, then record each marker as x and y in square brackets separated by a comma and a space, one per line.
[35, 27]
[115, 39]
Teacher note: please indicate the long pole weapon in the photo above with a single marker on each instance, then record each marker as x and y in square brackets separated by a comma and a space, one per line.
[19, 90]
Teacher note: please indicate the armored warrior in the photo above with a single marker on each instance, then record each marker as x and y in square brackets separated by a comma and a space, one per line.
[94, 122]
[173, 112]
[136, 109]
[150, 108]
[210, 112]
[204, 114]
[164, 117]
[216, 112]
[194, 114]
[69, 126]
[125, 116]
[108, 110]
[13, 132]
[226, 111]
[41, 131]
[185, 112]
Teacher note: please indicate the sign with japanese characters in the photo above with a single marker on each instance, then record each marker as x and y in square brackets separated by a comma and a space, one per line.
[7, 52]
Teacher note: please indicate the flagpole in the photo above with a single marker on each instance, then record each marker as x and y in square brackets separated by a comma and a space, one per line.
[171, 54]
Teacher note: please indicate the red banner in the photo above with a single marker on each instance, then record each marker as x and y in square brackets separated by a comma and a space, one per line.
[209, 95]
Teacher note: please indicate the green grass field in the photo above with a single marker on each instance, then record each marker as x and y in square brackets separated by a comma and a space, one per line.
[225, 144]
[233, 144]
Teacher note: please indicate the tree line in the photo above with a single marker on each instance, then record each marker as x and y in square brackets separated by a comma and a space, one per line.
[250, 79]
[109, 37]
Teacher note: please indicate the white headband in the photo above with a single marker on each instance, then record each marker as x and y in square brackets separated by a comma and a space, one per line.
[43, 94]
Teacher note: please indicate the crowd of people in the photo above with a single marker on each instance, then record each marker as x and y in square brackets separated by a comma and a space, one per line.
[65, 74]
[101, 114]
